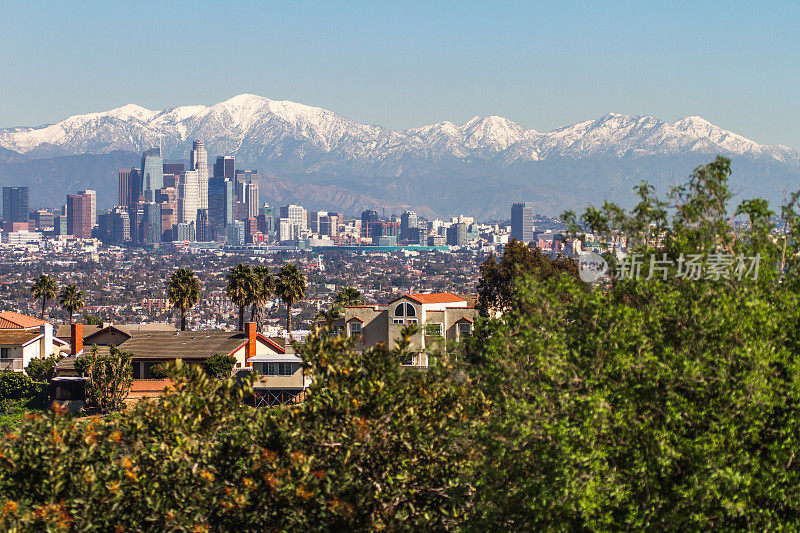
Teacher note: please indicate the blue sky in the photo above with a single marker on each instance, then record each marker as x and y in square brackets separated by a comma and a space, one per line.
[410, 63]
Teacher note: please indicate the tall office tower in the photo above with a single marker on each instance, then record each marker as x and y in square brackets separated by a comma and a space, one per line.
[329, 225]
[235, 233]
[368, 218]
[296, 215]
[313, 220]
[522, 221]
[152, 173]
[93, 194]
[183, 231]
[125, 185]
[137, 190]
[43, 220]
[288, 230]
[266, 220]
[408, 221]
[79, 215]
[119, 225]
[252, 199]
[457, 234]
[173, 168]
[151, 223]
[188, 197]
[198, 161]
[221, 202]
[15, 204]
[224, 167]
[201, 226]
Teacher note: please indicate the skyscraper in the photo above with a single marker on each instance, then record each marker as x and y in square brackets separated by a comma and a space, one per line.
[152, 173]
[79, 216]
[252, 199]
[368, 218]
[15, 204]
[93, 195]
[522, 221]
[151, 223]
[225, 167]
[124, 180]
[296, 215]
[188, 197]
[198, 161]
[408, 221]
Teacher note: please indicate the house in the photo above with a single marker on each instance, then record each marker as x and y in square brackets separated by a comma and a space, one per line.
[23, 338]
[150, 349]
[442, 317]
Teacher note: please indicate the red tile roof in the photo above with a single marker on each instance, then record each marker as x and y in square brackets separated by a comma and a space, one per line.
[13, 320]
[433, 298]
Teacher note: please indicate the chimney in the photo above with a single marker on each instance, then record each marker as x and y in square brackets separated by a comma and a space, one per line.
[76, 339]
[250, 347]
[46, 345]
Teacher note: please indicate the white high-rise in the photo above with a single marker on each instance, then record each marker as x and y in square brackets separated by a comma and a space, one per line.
[198, 161]
[189, 196]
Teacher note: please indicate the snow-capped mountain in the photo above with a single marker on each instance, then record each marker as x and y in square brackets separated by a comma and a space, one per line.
[313, 145]
[256, 129]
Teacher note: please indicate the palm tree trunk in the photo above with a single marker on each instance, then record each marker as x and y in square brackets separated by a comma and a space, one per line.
[183, 320]
[241, 318]
[289, 319]
[44, 305]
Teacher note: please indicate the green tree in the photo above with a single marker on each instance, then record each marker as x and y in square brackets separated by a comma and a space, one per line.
[183, 291]
[219, 366]
[264, 287]
[348, 296]
[241, 289]
[42, 369]
[290, 288]
[110, 378]
[44, 287]
[497, 285]
[71, 299]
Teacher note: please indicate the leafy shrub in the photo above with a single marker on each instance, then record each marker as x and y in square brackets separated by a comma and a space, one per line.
[42, 369]
[219, 366]
[15, 385]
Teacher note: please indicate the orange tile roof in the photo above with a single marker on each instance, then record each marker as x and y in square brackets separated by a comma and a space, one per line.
[13, 320]
[433, 298]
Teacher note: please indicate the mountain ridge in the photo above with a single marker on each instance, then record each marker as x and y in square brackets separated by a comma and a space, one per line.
[441, 168]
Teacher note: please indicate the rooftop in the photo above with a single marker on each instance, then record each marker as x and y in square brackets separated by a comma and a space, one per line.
[14, 320]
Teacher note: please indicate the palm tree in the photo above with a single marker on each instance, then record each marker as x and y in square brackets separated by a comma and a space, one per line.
[241, 288]
[264, 287]
[44, 287]
[291, 288]
[348, 296]
[183, 291]
[71, 300]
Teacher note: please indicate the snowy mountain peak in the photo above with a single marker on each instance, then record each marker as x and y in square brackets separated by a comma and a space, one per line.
[258, 131]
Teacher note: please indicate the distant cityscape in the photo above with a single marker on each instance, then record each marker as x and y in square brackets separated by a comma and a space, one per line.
[218, 207]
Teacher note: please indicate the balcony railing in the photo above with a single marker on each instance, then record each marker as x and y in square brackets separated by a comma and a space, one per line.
[11, 365]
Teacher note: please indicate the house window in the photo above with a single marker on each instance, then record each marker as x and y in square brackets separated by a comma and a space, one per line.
[279, 369]
[464, 329]
[355, 328]
[5, 353]
[399, 321]
[433, 330]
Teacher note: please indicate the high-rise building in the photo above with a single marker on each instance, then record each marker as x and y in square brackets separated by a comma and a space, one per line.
[288, 230]
[79, 216]
[296, 215]
[368, 218]
[43, 220]
[125, 185]
[152, 173]
[137, 189]
[235, 233]
[457, 234]
[221, 201]
[198, 161]
[93, 195]
[174, 169]
[151, 224]
[188, 197]
[522, 221]
[201, 226]
[183, 232]
[252, 199]
[266, 220]
[408, 221]
[15, 204]
[225, 167]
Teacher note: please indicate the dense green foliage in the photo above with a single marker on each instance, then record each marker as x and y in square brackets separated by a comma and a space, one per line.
[109, 376]
[241, 288]
[15, 385]
[71, 299]
[641, 404]
[42, 369]
[44, 287]
[219, 366]
[183, 291]
[290, 288]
